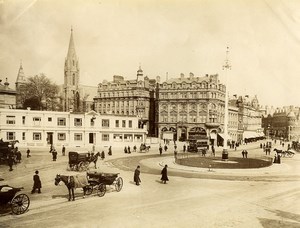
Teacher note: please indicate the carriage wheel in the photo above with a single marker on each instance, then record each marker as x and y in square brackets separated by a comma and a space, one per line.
[88, 190]
[101, 189]
[20, 204]
[119, 184]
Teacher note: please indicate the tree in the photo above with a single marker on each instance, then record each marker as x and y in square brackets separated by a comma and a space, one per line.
[40, 93]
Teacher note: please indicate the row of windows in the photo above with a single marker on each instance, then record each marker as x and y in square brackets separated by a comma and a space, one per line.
[37, 136]
[123, 94]
[62, 121]
[193, 85]
[191, 95]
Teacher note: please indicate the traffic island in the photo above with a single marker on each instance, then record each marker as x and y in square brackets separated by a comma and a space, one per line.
[230, 163]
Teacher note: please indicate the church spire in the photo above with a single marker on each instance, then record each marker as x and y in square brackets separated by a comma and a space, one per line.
[21, 75]
[71, 51]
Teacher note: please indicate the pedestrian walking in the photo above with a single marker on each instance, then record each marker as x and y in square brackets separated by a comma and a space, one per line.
[160, 150]
[37, 184]
[10, 161]
[125, 150]
[109, 151]
[128, 150]
[166, 148]
[134, 148]
[246, 153]
[18, 156]
[54, 154]
[102, 155]
[136, 177]
[175, 154]
[184, 148]
[28, 153]
[63, 150]
[243, 153]
[164, 174]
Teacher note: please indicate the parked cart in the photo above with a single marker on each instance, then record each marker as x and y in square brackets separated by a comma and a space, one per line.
[18, 203]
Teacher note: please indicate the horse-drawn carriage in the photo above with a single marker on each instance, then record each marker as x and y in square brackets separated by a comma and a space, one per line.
[144, 148]
[6, 150]
[93, 182]
[98, 181]
[282, 153]
[80, 161]
[18, 203]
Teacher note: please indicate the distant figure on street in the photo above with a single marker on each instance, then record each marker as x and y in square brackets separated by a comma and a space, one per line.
[109, 151]
[136, 177]
[63, 150]
[166, 148]
[18, 156]
[36, 183]
[213, 151]
[128, 150]
[102, 155]
[10, 161]
[125, 150]
[243, 153]
[164, 174]
[134, 148]
[175, 153]
[54, 154]
[184, 148]
[160, 150]
[28, 153]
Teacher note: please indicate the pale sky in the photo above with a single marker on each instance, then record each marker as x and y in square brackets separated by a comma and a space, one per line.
[175, 36]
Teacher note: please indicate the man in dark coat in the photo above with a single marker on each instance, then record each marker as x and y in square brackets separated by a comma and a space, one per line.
[63, 151]
[10, 161]
[102, 155]
[28, 153]
[54, 154]
[164, 175]
[136, 177]
[109, 151]
[36, 183]
[160, 150]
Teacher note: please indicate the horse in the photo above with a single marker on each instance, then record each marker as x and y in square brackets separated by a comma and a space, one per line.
[94, 158]
[72, 182]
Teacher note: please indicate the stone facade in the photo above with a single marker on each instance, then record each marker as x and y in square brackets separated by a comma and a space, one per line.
[128, 98]
[76, 130]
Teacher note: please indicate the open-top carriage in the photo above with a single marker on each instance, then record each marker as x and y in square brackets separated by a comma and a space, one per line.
[282, 153]
[98, 181]
[18, 203]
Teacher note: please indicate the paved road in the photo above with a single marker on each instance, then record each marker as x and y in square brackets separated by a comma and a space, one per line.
[193, 202]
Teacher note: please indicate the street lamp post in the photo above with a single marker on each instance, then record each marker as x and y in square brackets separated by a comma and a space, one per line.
[226, 67]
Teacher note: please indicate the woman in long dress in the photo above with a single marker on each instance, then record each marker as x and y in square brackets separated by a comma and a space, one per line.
[164, 174]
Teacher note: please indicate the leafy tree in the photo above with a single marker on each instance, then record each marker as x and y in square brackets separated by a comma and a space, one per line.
[40, 93]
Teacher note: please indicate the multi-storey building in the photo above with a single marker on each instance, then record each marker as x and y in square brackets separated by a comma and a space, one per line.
[249, 117]
[128, 98]
[282, 123]
[7, 96]
[43, 128]
[190, 105]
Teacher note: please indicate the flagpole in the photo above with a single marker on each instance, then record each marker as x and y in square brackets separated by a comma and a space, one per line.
[226, 67]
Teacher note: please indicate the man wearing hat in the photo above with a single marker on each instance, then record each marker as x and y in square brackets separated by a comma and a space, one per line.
[36, 183]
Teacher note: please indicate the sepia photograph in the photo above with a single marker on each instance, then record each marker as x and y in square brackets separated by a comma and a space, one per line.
[149, 113]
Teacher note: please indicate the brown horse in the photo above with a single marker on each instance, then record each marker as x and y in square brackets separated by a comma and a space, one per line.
[72, 182]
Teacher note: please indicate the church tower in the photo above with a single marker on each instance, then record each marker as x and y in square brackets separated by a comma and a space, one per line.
[21, 80]
[71, 79]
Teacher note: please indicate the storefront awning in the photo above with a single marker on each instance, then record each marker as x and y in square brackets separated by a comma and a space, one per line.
[250, 135]
[222, 135]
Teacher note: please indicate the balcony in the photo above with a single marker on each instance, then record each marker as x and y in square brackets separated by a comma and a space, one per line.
[212, 124]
